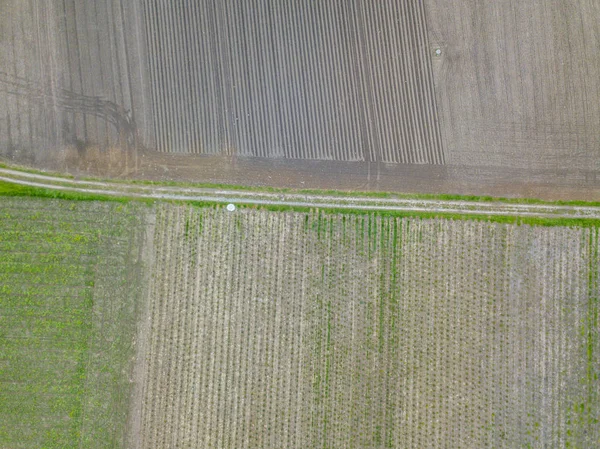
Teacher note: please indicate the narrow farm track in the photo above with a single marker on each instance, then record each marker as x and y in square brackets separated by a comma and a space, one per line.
[299, 199]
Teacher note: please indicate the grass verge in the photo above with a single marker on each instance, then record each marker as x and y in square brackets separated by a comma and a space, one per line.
[339, 193]
[10, 189]
[509, 219]
[16, 190]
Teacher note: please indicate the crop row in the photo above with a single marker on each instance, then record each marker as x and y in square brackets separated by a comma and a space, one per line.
[47, 236]
[315, 330]
[39, 258]
[43, 207]
[34, 248]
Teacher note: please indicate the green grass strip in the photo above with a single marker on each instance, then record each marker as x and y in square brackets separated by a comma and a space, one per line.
[339, 193]
[15, 190]
[509, 219]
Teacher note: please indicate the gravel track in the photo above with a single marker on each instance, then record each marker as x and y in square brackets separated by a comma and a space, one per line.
[298, 199]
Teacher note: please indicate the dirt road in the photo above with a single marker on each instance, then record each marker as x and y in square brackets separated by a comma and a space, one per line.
[251, 197]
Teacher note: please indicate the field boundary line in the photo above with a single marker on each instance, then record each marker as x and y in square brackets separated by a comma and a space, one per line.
[307, 200]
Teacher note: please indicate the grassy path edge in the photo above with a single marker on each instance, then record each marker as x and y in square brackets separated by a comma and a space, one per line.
[18, 183]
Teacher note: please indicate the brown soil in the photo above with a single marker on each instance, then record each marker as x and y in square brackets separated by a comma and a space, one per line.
[494, 181]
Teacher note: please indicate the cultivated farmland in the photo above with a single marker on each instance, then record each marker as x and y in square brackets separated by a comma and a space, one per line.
[437, 96]
[287, 329]
[69, 295]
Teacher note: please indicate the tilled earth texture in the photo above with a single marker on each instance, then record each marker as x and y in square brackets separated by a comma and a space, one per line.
[285, 329]
[448, 96]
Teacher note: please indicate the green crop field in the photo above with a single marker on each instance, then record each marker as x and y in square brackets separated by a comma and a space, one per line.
[68, 304]
[126, 324]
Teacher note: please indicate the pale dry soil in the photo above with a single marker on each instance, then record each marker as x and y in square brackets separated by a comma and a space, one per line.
[283, 329]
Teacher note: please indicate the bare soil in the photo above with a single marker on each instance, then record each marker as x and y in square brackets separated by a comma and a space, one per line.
[513, 86]
[548, 184]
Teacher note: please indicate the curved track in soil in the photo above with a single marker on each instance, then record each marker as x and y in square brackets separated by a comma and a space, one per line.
[298, 199]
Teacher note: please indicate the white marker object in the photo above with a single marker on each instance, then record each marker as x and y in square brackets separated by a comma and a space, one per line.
[231, 207]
